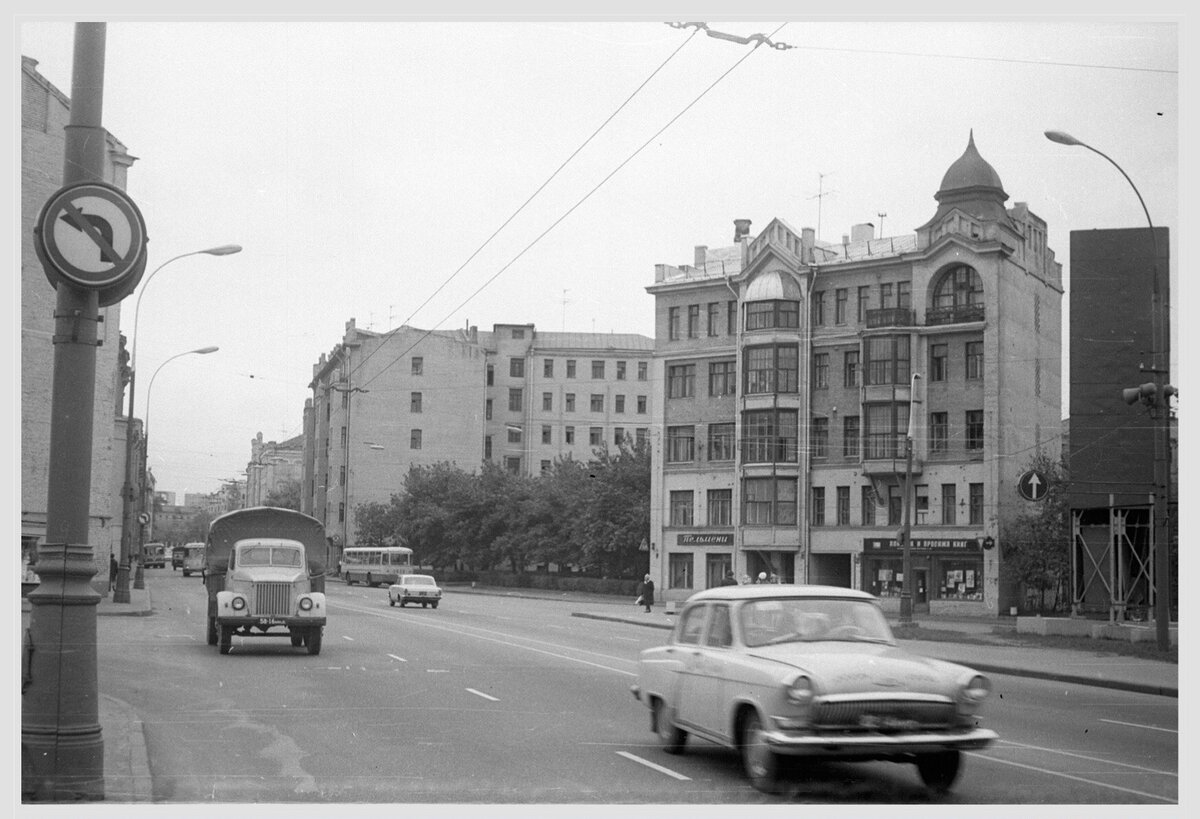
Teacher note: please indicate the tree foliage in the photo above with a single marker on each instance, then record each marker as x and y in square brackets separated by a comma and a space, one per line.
[1036, 547]
[593, 516]
[286, 495]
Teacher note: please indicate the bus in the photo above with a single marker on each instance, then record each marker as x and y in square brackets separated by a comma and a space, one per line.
[193, 558]
[375, 566]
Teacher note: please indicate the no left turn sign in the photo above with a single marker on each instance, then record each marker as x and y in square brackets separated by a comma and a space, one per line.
[92, 235]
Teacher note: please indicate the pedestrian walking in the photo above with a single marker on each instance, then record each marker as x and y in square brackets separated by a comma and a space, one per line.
[112, 571]
[645, 591]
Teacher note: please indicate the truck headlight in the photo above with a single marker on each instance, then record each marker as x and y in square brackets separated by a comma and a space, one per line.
[306, 604]
[238, 603]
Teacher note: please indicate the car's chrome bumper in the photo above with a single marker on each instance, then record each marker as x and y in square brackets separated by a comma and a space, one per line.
[869, 743]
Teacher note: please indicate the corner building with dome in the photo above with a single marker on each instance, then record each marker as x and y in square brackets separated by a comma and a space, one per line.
[785, 368]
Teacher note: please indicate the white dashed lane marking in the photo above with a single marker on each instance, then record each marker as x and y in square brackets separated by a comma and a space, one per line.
[485, 696]
[653, 766]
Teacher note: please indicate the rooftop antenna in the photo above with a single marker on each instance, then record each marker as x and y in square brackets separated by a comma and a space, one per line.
[564, 303]
[820, 197]
[881, 215]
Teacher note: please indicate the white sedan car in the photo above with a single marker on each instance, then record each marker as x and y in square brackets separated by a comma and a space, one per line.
[774, 671]
[415, 588]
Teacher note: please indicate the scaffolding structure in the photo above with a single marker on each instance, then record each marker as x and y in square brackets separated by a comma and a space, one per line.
[1112, 561]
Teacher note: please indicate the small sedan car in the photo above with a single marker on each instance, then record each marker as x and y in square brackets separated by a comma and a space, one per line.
[415, 588]
[773, 671]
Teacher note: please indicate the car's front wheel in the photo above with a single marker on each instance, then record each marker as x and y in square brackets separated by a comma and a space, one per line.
[313, 640]
[670, 736]
[938, 771]
[760, 762]
[391, 601]
[434, 605]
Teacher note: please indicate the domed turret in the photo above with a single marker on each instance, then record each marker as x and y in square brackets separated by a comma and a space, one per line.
[973, 186]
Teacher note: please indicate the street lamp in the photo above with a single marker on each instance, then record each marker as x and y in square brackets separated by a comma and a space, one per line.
[1159, 367]
[906, 586]
[121, 592]
[139, 582]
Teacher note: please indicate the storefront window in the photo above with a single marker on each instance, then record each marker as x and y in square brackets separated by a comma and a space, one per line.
[959, 580]
[884, 576]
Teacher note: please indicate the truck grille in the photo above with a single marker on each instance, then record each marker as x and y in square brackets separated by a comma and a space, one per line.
[885, 714]
[272, 599]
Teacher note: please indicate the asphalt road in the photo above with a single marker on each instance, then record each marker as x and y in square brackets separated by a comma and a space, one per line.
[498, 700]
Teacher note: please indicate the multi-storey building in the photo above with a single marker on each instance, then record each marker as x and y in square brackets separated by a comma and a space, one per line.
[272, 466]
[383, 402]
[45, 114]
[787, 379]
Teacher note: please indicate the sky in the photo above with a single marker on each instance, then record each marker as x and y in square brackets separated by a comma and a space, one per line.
[442, 173]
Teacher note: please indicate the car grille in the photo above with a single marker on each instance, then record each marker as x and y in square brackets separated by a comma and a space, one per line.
[884, 715]
[272, 599]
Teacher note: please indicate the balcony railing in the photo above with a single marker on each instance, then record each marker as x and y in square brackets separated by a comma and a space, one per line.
[959, 314]
[890, 317]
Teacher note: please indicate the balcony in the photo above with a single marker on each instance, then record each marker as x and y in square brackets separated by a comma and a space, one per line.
[890, 317]
[960, 314]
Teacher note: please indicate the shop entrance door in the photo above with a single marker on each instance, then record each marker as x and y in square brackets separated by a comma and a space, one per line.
[921, 591]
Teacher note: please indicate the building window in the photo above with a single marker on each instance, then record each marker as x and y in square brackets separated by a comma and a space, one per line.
[818, 506]
[888, 359]
[414, 402]
[491, 375]
[344, 438]
[618, 436]
[597, 369]
[546, 434]
[720, 442]
[547, 401]
[513, 465]
[841, 297]
[820, 371]
[974, 430]
[868, 506]
[595, 436]
[679, 570]
[681, 444]
[974, 360]
[514, 399]
[864, 303]
[641, 405]
[975, 502]
[514, 435]
[765, 315]
[939, 431]
[731, 312]
[921, 502]
[714, 318]
[886, 295]
[673, 323]
[818, 309]
[681, 381]
[949, 512]
[820, 437]
[545, 465]
[597, 404]
[772, 369]
[487, 409]
[850, 430]
[886, 427]
[960, 286]
[487, 447]
[693, 321]
[720, 507]
[843, 506]
[569, 435]
[341, 476]
[414, 439]
[904, 295]
[769, 501]
[850, 368]
[620, 370]
[681, 508]
[938, 355]
[341, 513]
[640, 436]
[895, 506]
[769, 436]
[516, 368]
[418, 365]
[570, 402]
[722, 378]
[641, 371]
[570, 368]
[619, 404]
[518, 332]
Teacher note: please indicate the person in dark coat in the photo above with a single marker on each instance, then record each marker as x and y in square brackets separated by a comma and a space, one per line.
[112, 571]
[729, 579]
[645, 591]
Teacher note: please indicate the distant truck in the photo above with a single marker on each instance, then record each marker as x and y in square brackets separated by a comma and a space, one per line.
[264, 569]
[154, 556]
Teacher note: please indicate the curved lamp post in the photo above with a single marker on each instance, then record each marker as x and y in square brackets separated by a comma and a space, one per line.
[132, 485]
[139, 581]
[1159, 366]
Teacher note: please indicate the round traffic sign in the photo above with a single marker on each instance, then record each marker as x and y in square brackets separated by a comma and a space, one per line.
[91, 234]
[143, 518]
[1032, 485]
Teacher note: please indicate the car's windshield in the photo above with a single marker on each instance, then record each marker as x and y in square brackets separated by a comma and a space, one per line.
[288, 556]
[783, 620]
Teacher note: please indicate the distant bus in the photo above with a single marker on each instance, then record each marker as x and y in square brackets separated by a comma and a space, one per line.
[193, 558]
[375, 566]
[154, 556]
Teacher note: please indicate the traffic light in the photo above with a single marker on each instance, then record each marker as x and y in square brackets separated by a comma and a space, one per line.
[1147, 393]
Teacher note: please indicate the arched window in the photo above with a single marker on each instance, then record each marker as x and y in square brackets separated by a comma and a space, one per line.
[959, 286]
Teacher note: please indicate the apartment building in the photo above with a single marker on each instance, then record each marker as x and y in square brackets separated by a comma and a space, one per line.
[786, 369]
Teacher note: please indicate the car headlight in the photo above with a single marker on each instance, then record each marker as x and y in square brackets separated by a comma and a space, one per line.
[800, 691]
[973, 693]
[238, 603]
[306, 604]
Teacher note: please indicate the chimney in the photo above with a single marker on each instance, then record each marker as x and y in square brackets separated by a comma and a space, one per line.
[701, 256]
[864, 232]
[741, 229]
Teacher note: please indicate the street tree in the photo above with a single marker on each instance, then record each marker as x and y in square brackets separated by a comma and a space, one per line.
[1036, 547]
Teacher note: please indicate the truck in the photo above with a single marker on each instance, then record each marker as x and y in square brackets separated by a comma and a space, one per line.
[264, 569]
[154, 556]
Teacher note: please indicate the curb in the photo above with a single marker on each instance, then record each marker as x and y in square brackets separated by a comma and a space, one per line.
[1137, 688]
[127, 775]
